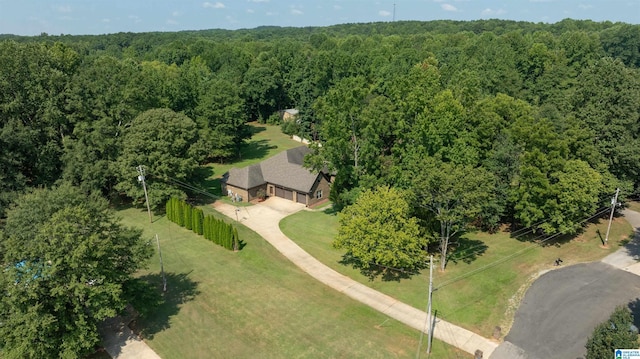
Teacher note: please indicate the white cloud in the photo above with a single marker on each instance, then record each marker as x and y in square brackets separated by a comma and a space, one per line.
[448, 7]
[217, 5]
[176, 13]
[172, 22]
[258, 0]
[64, 8]
[271, 13]
[296, 12]
[250, 11]
[492, 12]
[540, 0]
[384, 13]
[337, 7]
[585, 6]
[135, 18]
[106, 21]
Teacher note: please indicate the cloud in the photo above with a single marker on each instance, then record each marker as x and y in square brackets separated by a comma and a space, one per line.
[384, 13]
[106, 21]
[585, 6]
[135, 18]
[172, 22]
[296, 12]
[540, 0]
[337, 7]
[492, 12]
[258, 0]
[448, 7]
[217, 5]
[176, 13]
[250, 11]
[64, 8]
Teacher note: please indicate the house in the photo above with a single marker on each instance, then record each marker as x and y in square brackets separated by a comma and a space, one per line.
[282, 175]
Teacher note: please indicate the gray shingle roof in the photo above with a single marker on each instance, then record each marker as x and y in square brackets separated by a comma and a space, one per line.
[284, 169]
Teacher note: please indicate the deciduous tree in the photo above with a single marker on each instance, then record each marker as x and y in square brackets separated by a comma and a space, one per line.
[66, 263]
[380, 234]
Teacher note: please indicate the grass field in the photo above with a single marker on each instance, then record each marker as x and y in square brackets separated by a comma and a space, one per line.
[634, 206]
[478, 302]
[255, 303]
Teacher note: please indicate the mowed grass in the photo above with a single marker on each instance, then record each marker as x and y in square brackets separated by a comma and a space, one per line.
[479, 293]
[266, 141]
[634, 205]
[256, 304]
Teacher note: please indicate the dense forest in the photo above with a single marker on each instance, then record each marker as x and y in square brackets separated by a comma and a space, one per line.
[546, 114]
[430, 128]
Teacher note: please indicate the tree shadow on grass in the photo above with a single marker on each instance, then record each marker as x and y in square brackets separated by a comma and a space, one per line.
[373, 271]
[255, 150]
[155, 307]
[466, 250]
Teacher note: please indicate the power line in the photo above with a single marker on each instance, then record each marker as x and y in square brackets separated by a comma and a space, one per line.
[511, 256]
[530, 228]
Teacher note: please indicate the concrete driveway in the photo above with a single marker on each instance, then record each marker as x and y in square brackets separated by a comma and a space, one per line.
[561, 309]
[264, 218]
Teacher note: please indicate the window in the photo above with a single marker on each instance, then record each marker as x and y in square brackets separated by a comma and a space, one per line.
[319, 193]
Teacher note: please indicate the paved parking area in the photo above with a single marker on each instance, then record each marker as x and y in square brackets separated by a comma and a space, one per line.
[561, 309]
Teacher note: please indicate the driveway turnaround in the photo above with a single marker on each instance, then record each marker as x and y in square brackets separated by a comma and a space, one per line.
[264, 219]
[561, 309]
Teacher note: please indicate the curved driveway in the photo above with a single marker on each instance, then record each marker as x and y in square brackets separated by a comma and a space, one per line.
[561, 309]
[264, 218]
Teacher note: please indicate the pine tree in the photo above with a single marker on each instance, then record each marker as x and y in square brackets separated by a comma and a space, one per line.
[179, 214]
[236, 242]
[188, 216]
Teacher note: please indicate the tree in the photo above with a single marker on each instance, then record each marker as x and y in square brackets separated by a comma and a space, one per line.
[67, 261]
[455, 195]
[615, 333]
[379, 233]
[165, 142]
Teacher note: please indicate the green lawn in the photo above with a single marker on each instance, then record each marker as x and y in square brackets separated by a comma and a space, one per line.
[634, 206]
[255, 303]
[479, 302]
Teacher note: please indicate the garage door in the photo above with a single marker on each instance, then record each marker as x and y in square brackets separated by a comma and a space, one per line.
[284, 193]
[302, 198]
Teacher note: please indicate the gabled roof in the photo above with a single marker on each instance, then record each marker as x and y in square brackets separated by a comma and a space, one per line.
[284, 169]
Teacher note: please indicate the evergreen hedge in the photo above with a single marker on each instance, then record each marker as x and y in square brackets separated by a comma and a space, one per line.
[215, 230]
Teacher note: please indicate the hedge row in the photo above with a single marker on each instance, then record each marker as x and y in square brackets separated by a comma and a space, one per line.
[215, 230]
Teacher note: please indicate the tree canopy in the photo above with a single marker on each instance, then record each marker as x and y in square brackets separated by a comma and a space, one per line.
[380, 235]
[66, 261]
[617, 332]
[547, 112]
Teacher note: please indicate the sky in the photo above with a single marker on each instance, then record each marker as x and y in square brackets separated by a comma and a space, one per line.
[76, 17]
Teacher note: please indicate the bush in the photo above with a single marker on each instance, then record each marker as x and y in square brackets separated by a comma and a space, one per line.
[213, 229]
[616, 333]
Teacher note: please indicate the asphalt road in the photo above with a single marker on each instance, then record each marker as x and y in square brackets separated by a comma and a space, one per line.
[561, 309]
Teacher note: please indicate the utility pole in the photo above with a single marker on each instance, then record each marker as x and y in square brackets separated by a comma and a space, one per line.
[430, 319]
[164, 279]
[614, 202]
[144, 185]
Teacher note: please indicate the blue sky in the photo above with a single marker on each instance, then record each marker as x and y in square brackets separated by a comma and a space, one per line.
[32, 17]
